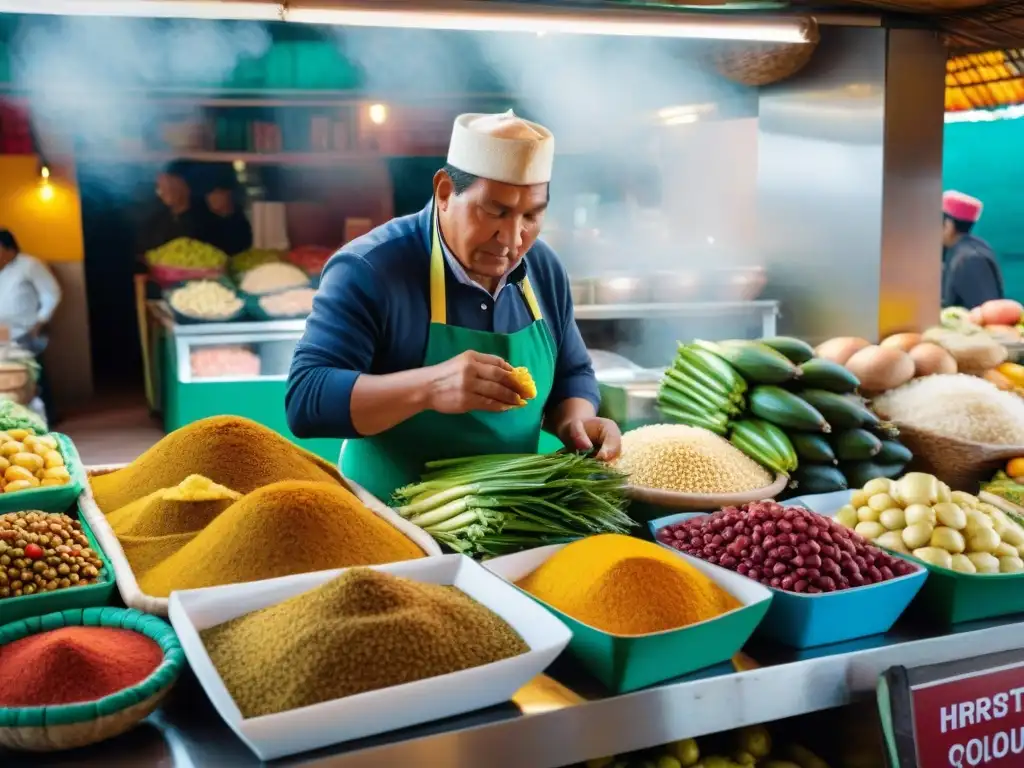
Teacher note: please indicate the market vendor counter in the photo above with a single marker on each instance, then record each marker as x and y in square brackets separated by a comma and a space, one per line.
[186, 385]
[567, 718]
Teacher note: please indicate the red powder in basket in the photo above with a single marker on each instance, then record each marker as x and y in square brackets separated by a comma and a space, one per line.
[74, 664]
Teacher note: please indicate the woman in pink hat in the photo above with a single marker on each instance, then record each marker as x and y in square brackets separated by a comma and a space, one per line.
[970, 271]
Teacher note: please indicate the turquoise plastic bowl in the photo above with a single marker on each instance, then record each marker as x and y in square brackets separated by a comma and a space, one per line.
[806, 621]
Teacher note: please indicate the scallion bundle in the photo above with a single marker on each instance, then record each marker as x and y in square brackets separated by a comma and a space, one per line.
[495, 505]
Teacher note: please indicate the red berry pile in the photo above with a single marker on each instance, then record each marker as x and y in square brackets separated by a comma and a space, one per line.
[788, 548]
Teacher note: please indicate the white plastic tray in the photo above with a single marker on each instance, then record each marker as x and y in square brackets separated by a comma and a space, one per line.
[128, 585]
[374, 712]
[515, 567]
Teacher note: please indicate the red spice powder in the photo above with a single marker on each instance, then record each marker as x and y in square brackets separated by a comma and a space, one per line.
[74, 664]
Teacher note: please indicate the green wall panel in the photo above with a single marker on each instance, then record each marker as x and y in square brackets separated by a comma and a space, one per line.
[986, 160]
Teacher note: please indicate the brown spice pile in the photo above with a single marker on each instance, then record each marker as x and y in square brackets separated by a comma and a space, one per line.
[363, 631]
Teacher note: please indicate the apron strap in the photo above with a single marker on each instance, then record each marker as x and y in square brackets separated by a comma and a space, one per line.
[438, 297]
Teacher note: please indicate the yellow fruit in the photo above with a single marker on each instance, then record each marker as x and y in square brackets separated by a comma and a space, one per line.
[14, 473]
[29, 461]
[53, 459]
[47, 482]
[4, 464]
[1015, 468]
[18, 434]
[57, 473]
[48, 440]
[11, 448]
[19, 485]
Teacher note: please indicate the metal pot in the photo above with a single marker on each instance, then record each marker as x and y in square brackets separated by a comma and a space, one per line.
[675, 287]
[621, 289]
[582, 290]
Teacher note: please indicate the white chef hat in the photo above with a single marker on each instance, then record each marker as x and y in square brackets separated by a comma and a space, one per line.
[503, 148]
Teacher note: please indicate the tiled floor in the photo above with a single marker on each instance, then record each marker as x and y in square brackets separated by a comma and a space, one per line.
[112, 432]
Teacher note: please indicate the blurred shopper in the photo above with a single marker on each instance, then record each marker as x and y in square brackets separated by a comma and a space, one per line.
[29, 295]
[177, 216]
[227, 226]
[970, 271]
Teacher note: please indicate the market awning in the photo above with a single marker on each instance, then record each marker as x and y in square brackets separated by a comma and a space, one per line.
[985, 80]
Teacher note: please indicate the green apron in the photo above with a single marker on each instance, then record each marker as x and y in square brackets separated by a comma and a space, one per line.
[382, 463]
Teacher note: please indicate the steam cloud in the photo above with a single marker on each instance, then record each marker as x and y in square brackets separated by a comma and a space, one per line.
[598, 94]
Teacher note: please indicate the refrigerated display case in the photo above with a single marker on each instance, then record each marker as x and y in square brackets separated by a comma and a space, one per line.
[213, 369]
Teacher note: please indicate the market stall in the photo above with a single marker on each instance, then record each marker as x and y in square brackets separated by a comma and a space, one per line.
[615, 611]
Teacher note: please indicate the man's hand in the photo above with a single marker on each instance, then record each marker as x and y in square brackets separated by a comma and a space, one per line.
[594, 432]
[473, 382]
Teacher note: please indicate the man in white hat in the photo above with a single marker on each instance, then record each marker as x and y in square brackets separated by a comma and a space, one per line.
[417, 325]
[970, 271]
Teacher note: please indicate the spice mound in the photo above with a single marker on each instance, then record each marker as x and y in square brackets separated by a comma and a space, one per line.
[232, 451]
[626, 586]
[43, 552]
[74, 664]
[186, 508]
[362, 631]
[957, 406]
[280, 530]
[674, 457]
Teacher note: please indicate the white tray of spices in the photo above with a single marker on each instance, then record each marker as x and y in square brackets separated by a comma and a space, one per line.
[124, 574]
[367, 713]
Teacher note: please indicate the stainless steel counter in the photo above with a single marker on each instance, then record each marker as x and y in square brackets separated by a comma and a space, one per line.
[567, 717]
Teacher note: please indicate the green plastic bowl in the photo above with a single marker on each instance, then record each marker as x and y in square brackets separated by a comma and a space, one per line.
[55, 498]
[88, 596]
[626, 663]
[41, 729]
[949, 597]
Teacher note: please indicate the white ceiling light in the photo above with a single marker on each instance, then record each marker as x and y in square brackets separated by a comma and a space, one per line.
[449, 15]
[254, 10]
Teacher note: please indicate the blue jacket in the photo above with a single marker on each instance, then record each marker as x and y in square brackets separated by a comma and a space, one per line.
[970, 273]
[372, 315]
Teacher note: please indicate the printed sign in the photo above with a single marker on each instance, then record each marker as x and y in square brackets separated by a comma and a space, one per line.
[973, 719]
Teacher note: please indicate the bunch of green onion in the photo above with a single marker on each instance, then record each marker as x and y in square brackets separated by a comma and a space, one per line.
[495, 505]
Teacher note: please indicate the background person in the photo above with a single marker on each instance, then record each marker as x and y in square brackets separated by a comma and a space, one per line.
[970, 271]
[228, 228]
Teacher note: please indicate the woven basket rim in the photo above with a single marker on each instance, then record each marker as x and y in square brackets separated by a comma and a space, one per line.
[993, 448]
[153, 627]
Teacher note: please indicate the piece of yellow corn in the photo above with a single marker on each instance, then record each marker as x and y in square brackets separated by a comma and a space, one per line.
[525, 380]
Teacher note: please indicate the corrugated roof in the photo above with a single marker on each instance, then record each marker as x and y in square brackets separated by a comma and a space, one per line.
[985, 80]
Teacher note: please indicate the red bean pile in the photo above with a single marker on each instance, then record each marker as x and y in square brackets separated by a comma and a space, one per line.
[788, 548]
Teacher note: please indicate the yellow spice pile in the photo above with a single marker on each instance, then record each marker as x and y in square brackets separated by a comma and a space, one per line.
[234, 452]
[626, 586]
[186, 508]
[278, 530]
[363, 631]
[673, 457]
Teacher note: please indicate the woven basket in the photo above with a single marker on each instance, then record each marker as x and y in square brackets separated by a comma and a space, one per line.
[48, 729]
[960, 464]
[757, 64]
